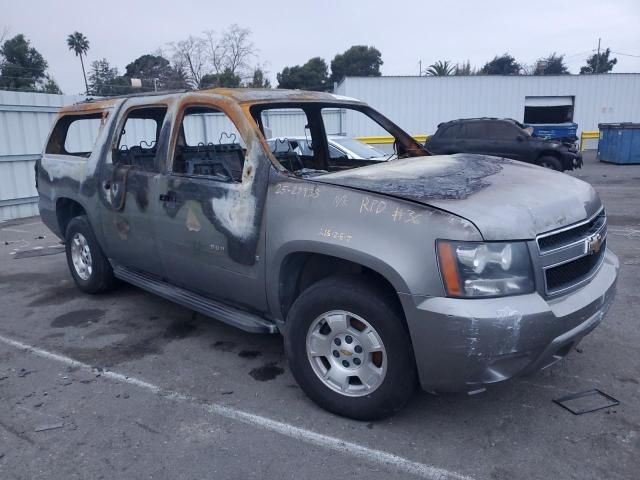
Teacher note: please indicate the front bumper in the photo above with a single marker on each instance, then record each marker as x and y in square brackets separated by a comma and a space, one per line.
[463, 344]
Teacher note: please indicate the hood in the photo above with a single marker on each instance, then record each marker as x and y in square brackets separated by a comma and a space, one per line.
[505, 199]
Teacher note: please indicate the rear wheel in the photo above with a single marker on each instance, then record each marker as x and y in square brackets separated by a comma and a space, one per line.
[550, 162]
[349, 350]
[89, 268]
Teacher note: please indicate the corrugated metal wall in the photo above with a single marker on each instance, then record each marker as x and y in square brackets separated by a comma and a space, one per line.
[25, 119]
[419, 104]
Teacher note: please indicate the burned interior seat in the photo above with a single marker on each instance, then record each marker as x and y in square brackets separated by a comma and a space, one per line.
[137, 156]
[211, 160]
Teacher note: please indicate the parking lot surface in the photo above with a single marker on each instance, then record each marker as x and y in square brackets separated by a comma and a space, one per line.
[128, 385]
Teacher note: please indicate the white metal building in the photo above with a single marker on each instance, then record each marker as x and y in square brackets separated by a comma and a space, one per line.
[419, 104]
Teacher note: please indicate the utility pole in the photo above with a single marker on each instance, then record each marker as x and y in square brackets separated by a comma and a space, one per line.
[419, 68]
[598, 58]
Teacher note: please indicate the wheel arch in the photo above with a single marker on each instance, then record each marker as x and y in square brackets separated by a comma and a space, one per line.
[301, 265]
[66, 209]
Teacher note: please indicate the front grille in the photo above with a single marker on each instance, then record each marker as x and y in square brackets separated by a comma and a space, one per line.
[570, 256]
[565, 237]
[573, 272]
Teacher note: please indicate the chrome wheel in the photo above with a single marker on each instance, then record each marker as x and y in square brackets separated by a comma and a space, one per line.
[81, 256]
[346, 353]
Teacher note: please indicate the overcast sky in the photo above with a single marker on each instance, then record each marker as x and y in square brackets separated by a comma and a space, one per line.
[289, 32]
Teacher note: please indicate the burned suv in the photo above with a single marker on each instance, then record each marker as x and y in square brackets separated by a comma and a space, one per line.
[503, 138]
[452, 272]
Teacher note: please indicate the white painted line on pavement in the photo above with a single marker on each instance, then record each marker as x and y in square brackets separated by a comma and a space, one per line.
[302, 434]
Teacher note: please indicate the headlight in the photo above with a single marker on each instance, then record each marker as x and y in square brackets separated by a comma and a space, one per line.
[476, 269]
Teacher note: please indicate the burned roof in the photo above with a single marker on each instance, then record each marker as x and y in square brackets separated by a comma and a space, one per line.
[240, 95]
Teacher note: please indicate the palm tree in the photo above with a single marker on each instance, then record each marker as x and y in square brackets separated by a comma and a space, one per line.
[440, 69]
[80, 45]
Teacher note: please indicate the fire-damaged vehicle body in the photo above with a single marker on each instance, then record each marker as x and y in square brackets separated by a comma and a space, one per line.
[452, 272]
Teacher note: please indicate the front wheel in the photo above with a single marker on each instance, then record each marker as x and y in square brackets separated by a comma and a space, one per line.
[349, 350]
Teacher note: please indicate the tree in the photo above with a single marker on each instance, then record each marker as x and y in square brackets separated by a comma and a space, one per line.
[357, 61]
[225, 79]
[50, 86]
[504, 64]
[313, 75]
[23, 67]
[463, 69]
[259, 80]
[189, 55]
[239, 49]
[80, 46]
[156, 72]
[551, 65]
[231, 52]
[440, 69]
[105, 81]
[599, 63]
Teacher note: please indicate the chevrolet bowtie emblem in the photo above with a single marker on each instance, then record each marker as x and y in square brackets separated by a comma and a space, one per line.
[345, 352]
[594, 243]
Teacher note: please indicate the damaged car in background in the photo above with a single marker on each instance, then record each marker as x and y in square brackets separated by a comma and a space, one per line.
[450, 272]
[507, 138]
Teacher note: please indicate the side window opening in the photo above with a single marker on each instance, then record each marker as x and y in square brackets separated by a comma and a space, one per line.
[477, 130]
[76, 135]
[288, 134]
[453, 131]
[138, 140]
[210, 145]
[503, 131]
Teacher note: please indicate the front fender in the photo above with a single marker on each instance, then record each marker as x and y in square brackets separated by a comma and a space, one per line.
[337, 251]
[393, 237]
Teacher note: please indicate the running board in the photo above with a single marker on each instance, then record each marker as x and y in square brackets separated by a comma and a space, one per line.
[230, 315]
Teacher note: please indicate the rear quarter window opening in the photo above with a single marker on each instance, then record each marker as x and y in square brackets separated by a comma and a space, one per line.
[76, 135]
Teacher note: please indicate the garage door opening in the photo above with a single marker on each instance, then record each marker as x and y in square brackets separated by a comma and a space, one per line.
[546, 110]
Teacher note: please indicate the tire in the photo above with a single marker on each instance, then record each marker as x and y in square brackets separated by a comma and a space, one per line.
[89, 267]
[382, 394]
[550, 162]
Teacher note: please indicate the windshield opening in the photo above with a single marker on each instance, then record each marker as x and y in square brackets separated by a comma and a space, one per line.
[314, 138]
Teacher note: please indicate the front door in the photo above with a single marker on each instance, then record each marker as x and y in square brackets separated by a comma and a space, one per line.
[128, 186]
[209, 232]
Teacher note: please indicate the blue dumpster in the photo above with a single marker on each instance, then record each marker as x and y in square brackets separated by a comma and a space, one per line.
[619, 143]
[554, 130]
